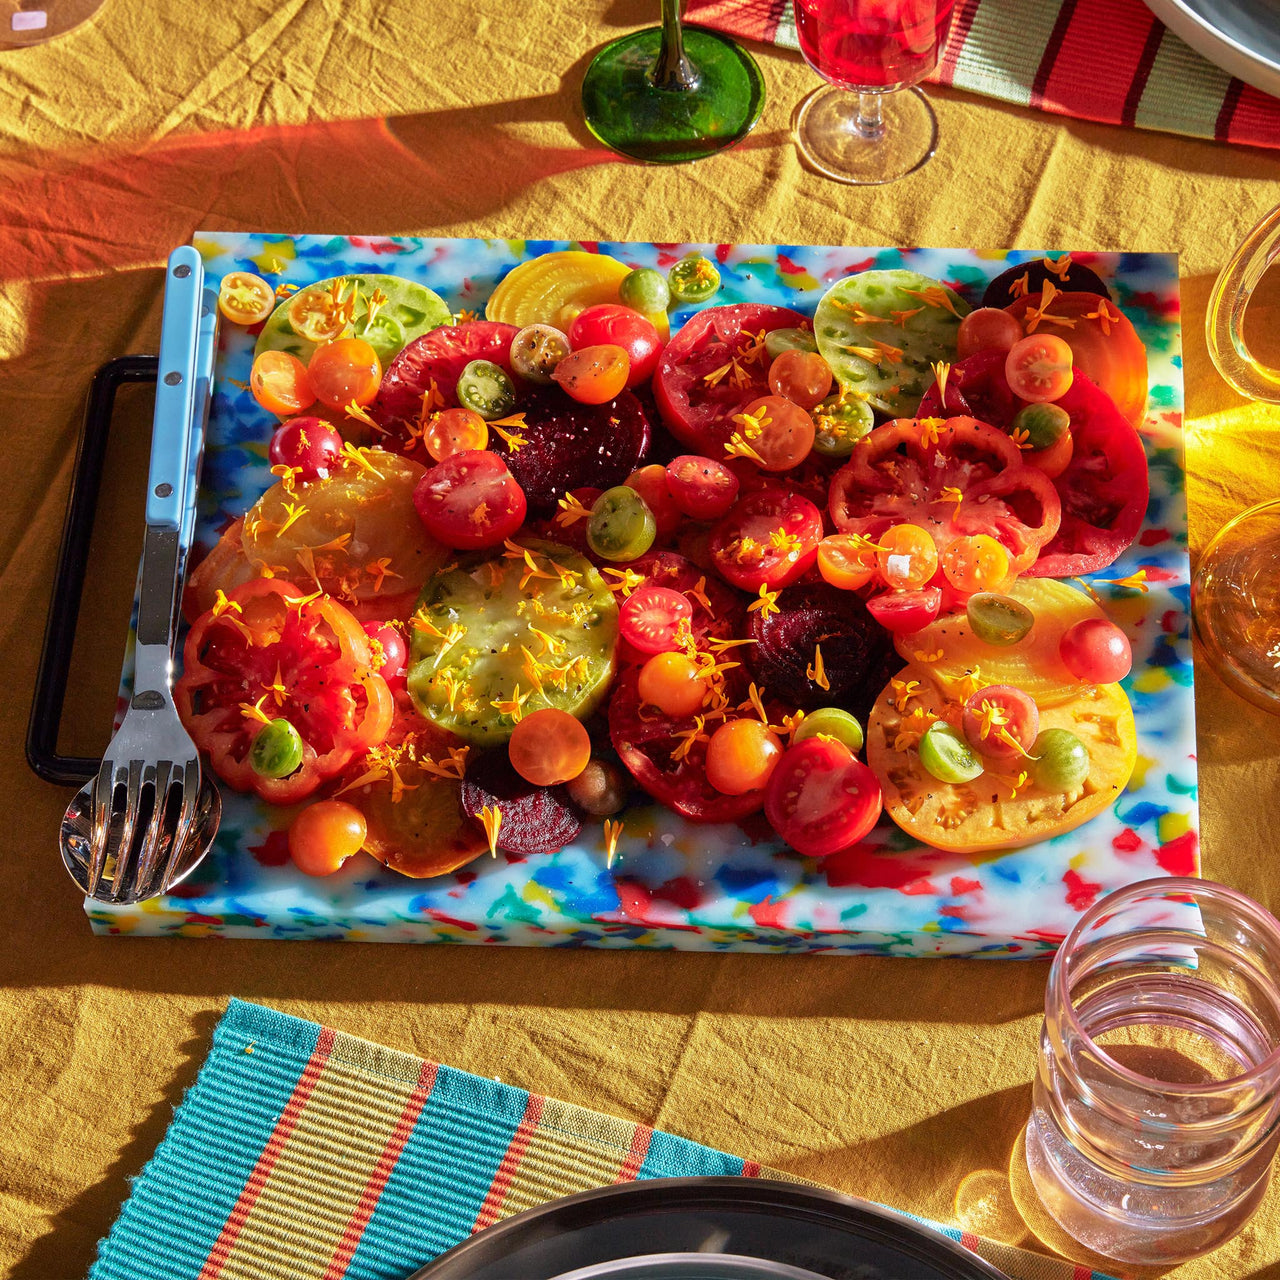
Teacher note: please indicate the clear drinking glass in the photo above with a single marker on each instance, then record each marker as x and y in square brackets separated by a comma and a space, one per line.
[1156, 1110]
[869, 125]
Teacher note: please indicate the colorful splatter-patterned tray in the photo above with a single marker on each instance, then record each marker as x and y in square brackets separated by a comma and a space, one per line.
[675, 885]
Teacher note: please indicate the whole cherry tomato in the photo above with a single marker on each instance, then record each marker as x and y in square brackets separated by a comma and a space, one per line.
[343, 371]
[324, 835]
[607, 322]
[309, 444]
[803, 377]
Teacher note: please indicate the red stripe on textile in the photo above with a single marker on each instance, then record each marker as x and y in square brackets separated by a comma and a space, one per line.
[1076, 83]
[1227, 121]
[1050, 55]
[750, 1169]
[1256, 118]
[635, 1157]
[750, 19]
[1138, 86]
[1082, 1272]
[373, 1189]
[961, 25]
[970, 1241]
[506, 1173]
[285, 1126]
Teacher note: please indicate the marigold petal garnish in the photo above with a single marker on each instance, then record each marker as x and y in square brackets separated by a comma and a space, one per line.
[491, 820]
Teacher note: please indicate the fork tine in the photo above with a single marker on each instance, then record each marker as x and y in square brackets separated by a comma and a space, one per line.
[186, 819]
[128, 825]
[103, 797]
[153, 836]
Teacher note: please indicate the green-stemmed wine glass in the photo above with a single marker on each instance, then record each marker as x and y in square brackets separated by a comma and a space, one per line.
[672, 93]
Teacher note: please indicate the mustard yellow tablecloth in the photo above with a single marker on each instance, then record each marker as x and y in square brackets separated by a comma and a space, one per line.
[903, 1081]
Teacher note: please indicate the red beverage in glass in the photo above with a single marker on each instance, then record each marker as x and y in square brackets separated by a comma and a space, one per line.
[864, 44]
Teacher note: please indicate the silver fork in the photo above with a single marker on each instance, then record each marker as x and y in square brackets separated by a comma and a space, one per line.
[147, 795]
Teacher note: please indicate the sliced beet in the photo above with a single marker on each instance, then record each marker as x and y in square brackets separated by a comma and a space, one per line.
[856, 650]
[574, 446]
[438, 356]
[1077, 279]
[534, 819]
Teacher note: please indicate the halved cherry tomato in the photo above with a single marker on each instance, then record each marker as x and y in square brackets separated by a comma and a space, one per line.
[803, 377]
[650, 616]
[549, 747]
[821, 798]
[958, 479]
[592, 375]
[907, 556]
[714, 366]
[975, 563]
[390, 653]
[1001, 722]
[741, 755]
[651, 484]
[470, 500]
[623, 327]
[324, 835]
[314, 315]
[244, 298]
[847, 561]
[455, 431]
[345, 370]
[768, 539]
[278, 382]
[906, 611]
[703, 488]
[1038, 368]
[276, 652]
[778, 431]
[310, 444]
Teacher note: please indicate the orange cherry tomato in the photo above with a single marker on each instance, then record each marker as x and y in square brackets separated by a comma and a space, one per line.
[549, 747]
[741, 756]
[907, 557]
[456, 431]
[343, 371]
[1038, 368]
[975, 563]
[847, 561]
[780, 432]
[279, 383]
[1054, 460]
[672, 683]
[651, 484]
[803, 377]
[324, 835]
[244, 298]
[594, 374]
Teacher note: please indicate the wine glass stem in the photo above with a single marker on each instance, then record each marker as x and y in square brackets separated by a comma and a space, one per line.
[673, 70]
[870, 121]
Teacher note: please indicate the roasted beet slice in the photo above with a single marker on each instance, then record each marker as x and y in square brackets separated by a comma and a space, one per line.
[439, 357]
[534, 819]
[1077, 278]
[574, 446]
[855, 649]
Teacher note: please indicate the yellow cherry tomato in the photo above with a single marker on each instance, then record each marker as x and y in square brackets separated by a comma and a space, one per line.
[671, 682]
[324, 835]
[741, 756]
[977, 563]
[244, 298]
[456, 431]
[549, 747]
[279, 383]
[315, 316]
[846, 561]
[907, 557]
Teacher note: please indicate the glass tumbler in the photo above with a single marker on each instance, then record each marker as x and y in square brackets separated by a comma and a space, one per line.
[1156, 1109]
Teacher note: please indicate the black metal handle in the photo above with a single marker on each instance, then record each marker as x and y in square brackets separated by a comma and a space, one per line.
[68, 582]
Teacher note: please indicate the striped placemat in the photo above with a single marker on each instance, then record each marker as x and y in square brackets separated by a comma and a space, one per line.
[1107, 60]
[301, 1153]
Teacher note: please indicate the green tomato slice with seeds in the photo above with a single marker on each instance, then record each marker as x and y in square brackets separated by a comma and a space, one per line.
[411, 309]
[493, 639]
[881, 331]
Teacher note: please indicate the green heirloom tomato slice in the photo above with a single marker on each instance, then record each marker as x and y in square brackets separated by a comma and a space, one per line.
[497, 638]
[411, 309]
[880, 331]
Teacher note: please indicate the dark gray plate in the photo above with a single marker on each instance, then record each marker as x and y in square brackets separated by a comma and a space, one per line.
[833, 1235]
[1240, 36]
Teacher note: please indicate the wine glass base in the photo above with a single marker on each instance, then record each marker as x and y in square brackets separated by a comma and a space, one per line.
[829, 139]
[626, 112]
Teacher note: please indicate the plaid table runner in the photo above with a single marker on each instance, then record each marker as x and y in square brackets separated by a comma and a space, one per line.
[1107, 60]
[307, 1154]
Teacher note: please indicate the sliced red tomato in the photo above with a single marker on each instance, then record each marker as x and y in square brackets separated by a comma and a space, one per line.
[646, 743]
[1103, 488]
[821, 798]
[768, 539]
[715, 366]
[470, 500]
[650, 617]
[436, 358]
[1103, 343]
[906, 611]
[717, 610]
[278, 652]
[971, 479]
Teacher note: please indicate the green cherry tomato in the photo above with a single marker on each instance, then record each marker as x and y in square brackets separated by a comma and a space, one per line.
[621, 526]
[486, 388]
[693, 279]
[1061, 760]
[840, 421]
[998, 619]
[947, 756]
[1045, 424]
[776, 341]
[645, 289]
[831, 722]
[277, 750]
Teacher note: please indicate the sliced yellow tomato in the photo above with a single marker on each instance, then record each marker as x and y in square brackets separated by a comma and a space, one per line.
[554, 288]
[952, 652]
[244, 298]
[1003, 808]
[315, 316]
